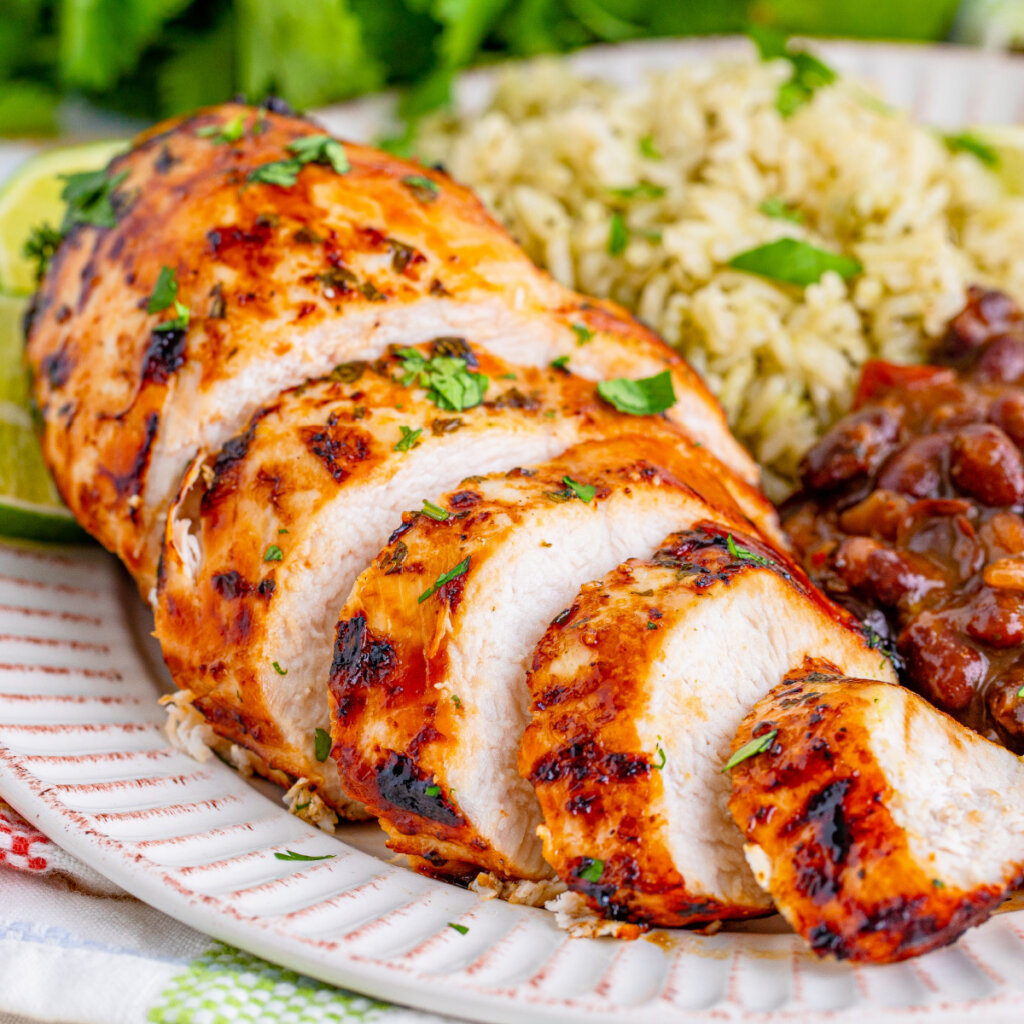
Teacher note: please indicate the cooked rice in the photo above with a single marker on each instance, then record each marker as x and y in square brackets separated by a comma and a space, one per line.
[868, 182]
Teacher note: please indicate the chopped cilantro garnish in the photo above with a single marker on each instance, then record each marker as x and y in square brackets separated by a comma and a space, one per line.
[410, 438]
[745, 554]
[583, 333]
[585, 492]
[425, 189]
[780, 210]
[320, 149]
[164, 291]
[592, 870]
[277, 668]
[231, 132]
[40, 246]
[663, 757]
[321, 744]
[652, 625]
[758, 745]
[433, 790]
[273, 554]
[283, 173]
[561, 363]
[449, 382]
[460, 928]
[938, 883]
[435, 512]
[649, 149]
[179, 322]
[641, 190]
[292, 855]
[618, 235]
[643, 397]
[90, 198]
[967, 143]
[809, 73]
[1020, 693]
[794, 262]
[302, 806]
[456, 700]
[444, 578]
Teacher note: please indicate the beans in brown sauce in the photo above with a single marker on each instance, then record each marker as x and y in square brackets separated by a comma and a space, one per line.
[911, 516]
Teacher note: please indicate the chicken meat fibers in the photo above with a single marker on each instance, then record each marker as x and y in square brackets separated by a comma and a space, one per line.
[237, 252]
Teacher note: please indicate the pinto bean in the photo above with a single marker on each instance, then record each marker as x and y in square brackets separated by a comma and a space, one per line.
[1006, 708]
[986, 314]
[987, 465]
[1001, 360]
[881, 513]
[853, 448]
[917, 468]
[996, 617]
[891, 577]
[940, 665]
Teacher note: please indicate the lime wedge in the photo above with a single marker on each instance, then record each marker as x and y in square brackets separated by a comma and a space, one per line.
[29, 503]
[1007, 142]
[31, 196]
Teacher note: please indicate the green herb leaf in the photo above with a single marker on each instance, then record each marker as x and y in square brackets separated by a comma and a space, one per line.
[220, 134]
[90, 198]
[649, 149]
[583, 334]
[809, 73]
[40, 246]
[164, 291]
[561, 363]
[592, 870]
[643, 397]
[435, 512]
[460, 928]
[410, 438]
[758, 745]
[745, 554]
[585, 492]
[794, 262]
[780, 210]
[456, 700]
[425, 189]
[433, 790]
[292, 855]
[663, 757]
[277, 668]
[652, 625]
[444, 578]
[642, 190]
[618, 235]
[967, 143]
[449, 383]
[179, 322]
[1020, 693]
[938, 883]
[321, 744]
[320, 149]
[283, 173]
[273, 554]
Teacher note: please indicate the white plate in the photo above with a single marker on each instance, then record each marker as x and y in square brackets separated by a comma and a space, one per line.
[83, 755]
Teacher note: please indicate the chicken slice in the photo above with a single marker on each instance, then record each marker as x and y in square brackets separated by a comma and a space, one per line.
[881, 826]
[428, 686]
[637, 689]
[282, 269]
[268, 535]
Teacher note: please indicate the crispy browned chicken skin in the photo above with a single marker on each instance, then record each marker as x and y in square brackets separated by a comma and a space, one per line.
[282, 281]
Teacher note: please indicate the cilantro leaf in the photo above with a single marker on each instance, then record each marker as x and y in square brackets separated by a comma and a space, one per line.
[425, 189]
[967, 143]
[591, 870]
[292, 855]
[642, 190]
[435, 512]
[221, 134]
[40, 246]
[90, 198]
[449, 383]
[277, 668]
[585, 492]
[164, 291]
[794, 262]
[618, 235]
[179, 322]
[583, 334]
[321, 744]
[273, 554]
[648, 148]
[444, 578]
[745, 554]
[283, 173]
[643, 397]
[433, 791]
[758, 745]
[460, 928]
[809, 73]
[410, 438]
[320, 149]
[780, 210]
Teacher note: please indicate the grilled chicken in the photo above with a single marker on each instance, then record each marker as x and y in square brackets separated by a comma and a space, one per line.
[428, 690]
[283, 269]
[637, 692]
[881, 827]
[268, 534]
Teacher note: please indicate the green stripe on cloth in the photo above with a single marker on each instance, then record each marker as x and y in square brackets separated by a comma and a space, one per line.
[227, 986]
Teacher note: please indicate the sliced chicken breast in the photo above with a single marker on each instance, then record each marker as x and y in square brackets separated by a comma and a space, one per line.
[428, 689]
[637, 689]
[268, 535]
[286, 253]
[881, 826]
